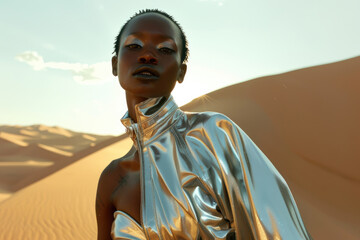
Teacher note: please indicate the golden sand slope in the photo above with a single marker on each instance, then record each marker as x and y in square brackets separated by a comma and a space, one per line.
[60, 206]
[305, 121]
[29, 153]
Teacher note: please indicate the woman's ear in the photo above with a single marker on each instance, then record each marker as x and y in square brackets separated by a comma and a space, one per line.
[114, 65]
[182, 73]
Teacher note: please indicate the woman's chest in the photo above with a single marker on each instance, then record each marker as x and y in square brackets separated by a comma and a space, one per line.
[126, 196]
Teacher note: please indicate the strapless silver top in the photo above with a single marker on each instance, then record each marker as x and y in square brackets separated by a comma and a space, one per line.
[203, 178]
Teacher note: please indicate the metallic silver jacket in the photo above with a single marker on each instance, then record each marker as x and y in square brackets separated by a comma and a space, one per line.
[203, 178]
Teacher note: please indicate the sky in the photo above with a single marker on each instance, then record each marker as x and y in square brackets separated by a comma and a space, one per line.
[55, 55]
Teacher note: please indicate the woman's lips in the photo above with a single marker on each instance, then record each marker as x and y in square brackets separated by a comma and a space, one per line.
[146, 72]
[145, 76]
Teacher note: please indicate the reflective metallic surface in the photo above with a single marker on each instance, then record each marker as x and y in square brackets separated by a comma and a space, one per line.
[203, 178]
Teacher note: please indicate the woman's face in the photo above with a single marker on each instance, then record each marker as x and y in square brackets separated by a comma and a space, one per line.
[148, 63]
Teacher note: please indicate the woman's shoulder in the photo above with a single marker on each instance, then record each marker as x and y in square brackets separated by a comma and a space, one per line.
[119, 168]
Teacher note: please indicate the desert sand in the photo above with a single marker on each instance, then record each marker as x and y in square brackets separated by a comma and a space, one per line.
[62, 205]
[30, 153]
[306, 121]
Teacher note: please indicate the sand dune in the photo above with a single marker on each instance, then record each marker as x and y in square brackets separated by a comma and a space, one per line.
[55, 150]
[306, 122]
[15, 139]
[29, 133]
[60, 206]
[88, 137]
[29, 153]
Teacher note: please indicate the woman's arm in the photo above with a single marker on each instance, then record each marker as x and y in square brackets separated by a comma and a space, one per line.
[104, 207]
[259, 204]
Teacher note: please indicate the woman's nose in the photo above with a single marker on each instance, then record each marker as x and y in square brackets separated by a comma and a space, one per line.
[148, 59]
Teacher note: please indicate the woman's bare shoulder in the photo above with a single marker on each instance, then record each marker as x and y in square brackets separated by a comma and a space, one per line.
[109, 180]
[119, 168]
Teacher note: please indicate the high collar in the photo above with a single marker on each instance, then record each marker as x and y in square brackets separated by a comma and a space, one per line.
[150, 124]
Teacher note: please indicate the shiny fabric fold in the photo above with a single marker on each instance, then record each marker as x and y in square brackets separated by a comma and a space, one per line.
[203, 178]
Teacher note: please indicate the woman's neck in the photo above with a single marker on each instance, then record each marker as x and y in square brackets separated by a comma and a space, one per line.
[132, 101]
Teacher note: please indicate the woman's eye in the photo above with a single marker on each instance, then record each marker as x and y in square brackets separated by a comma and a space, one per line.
[166, 50]
[133, 46]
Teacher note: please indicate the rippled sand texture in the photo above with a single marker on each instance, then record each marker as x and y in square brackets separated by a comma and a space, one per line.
[306, 122]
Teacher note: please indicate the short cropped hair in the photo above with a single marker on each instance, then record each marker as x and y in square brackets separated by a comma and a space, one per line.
[185, 50]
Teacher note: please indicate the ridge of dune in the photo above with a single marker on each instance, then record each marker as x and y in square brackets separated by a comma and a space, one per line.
[29, 132]
[36, 150]
[60, 131]
[55, 150]
[55, 130]
[88, 137]
[14, 138]
[65, 147]
[37, 130]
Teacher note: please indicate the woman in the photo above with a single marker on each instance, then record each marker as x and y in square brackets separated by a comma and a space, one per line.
[188, 175]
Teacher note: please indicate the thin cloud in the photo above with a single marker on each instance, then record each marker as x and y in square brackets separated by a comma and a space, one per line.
[82, 73]
[33, 59]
